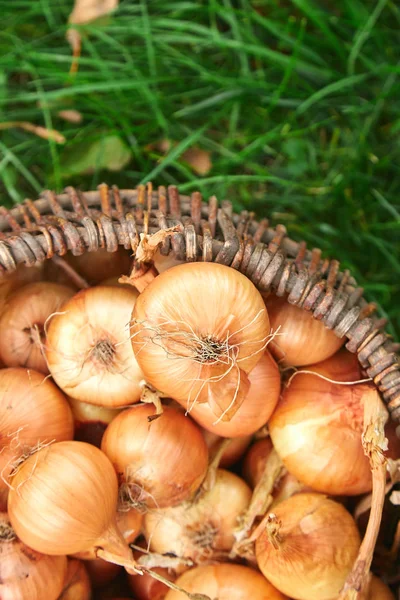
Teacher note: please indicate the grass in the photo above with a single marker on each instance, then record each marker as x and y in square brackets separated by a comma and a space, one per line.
[297, 101]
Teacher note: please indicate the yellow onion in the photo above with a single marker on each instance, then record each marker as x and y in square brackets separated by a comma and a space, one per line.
[101, 573]
[16, 279]
[63, 500]
[99, 265]
[197, 330]
[160, 463]
[145, 587]
[302, 340]
[225, 582]
[76, 583]
[32, 411]
[129, 524]
[235, 450]
[91, 421]
[377, 590]
[88, 348]
[203, 529]
[23, 323]
[257, 407]
[254, 466]
[308, 547]
[317, 427]
[24, 573]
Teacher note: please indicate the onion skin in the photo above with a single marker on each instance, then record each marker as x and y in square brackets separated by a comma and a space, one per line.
[32, 410]
[253, 467]
[317, 426]
[89, 353]
[204, 348]
[165, 460]
[99, 265]
[304, 340]
[77, 582]
[316, 546]
[257, 407]
[21, 276]
[377, 590]
[235, 450]
[225, 582]
[101, 572]
[31, 305]
[203, 529]
[26, 574]
[45, 485]
[91, 421]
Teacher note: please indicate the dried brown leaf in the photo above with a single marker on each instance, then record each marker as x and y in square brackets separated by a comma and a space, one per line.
[70, 115]
[85, 11]
[198, 159]
[43, 132]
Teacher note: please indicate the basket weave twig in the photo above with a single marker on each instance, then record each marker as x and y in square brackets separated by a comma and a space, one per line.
[107, 218]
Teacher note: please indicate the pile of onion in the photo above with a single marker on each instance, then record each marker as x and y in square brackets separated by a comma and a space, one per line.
[113, 438]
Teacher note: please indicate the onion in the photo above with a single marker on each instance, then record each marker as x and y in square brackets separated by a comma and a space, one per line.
[256, 408]
[377, 590]
[162, 263]
[32, 411]
[303, 340]
[129, 523]
[235, 450]
[161, 463]
[63, 500]
[91, 421]
[225, 582]
[317, 426]
[101, 572]
[253, 468]
[23, 322]
[203, 529]
[16, 279]
[197, 330]
[146, 588]
[24, 573]
[99, 265]
[89, 352]
[308, 547]
[76, 583]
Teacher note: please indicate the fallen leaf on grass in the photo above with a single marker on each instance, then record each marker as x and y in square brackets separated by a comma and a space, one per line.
[43, 132]
[83, 12]
[108, 152]
[70, 115]
[199, 160]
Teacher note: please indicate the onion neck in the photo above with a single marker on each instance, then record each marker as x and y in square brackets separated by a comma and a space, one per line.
[272, 527]
[112, 547]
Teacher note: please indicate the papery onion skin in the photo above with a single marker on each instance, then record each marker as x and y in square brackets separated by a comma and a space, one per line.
[89, 352]
[225, 582]
[91, 420]
[26, 574]
[32, 410]
[235, 450]
[377, 590]
[196, 322]
[317, 426]
[77, 583]
[16, 279]
[63, 498]
[253, 468]
[164, 461]
[317, 544]
[301, 340]
[29, 307]
[129, 523]
[101, 573]
[256, 408]
[101, 264]
[203, 529]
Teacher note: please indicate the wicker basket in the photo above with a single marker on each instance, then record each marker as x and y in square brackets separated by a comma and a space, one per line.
[106, 218]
